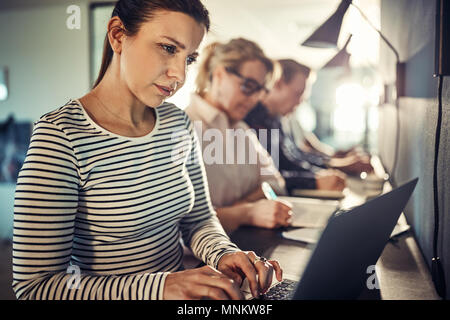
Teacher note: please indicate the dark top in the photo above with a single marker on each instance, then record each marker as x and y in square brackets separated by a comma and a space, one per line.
[297, 167]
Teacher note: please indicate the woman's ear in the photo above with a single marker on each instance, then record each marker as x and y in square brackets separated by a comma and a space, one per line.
[218, 71]
[218, 74]
[116, 33]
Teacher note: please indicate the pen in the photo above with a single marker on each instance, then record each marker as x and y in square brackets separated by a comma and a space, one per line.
[268, 191]
[271, 195]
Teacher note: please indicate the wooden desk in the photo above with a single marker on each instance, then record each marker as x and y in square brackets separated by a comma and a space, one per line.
[401, 270]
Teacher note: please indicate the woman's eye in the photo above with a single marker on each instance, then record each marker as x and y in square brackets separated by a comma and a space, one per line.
[170, 49]
[191, 60]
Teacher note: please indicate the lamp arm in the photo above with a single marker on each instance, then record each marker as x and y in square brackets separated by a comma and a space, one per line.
[379, 32]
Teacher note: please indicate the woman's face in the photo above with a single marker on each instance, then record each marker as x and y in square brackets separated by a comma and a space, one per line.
[153, 63]
[229, 97]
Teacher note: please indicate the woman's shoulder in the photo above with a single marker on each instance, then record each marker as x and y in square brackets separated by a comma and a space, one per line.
[70, 113]
[70, 110]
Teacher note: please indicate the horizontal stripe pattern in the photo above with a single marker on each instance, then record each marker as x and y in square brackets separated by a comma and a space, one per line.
[114, 207]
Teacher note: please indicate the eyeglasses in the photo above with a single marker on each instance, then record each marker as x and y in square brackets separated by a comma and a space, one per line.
[248, 86]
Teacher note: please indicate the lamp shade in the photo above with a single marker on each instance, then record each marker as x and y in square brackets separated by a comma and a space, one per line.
[341, 59]
[326, 36]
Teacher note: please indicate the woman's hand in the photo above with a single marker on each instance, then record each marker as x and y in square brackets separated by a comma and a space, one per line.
[201, 283]
[246, 264]
[269, 214]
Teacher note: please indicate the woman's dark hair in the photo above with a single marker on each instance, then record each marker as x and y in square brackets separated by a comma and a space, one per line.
[133, 13]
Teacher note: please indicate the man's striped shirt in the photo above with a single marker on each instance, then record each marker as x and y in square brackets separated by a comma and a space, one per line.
[115, 207]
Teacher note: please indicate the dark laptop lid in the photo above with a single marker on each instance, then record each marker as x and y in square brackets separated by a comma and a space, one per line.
[351, 242]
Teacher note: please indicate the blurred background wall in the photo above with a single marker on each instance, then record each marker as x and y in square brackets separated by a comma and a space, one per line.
[410, 26]
[47, 64]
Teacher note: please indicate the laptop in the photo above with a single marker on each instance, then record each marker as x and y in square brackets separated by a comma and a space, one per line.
[352, 241]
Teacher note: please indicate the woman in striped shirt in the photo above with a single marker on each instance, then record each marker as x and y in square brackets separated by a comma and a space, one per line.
[112, 181]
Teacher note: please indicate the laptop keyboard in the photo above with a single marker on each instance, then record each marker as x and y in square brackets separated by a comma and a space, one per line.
[281, 291]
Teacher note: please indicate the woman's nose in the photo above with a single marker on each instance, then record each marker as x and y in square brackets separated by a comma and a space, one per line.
[177, 70]
[252, 101]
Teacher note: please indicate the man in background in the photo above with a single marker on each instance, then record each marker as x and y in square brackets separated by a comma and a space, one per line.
[308, 164]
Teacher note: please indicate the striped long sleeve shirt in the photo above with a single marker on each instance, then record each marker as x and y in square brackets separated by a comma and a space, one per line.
[113, 208]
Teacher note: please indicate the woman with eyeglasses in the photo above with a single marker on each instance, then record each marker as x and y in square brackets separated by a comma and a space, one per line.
[106, 193]
[232, 78]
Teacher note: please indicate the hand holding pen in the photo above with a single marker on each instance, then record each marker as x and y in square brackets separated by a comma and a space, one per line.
[271, 212]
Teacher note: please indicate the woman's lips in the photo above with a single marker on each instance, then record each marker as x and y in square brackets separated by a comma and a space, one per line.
[166, 91]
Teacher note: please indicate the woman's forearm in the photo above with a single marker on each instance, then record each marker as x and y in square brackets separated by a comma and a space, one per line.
[255, 195]
[234, 216]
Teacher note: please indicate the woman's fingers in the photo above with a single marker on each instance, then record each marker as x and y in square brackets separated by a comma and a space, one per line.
[258, 271]
[227, 282]
[208, 292]
[283, 214]
[209, 283]
[265, 272]
[278, 270]
[237, 276]
[221, 283]
[286, 204]
[249, 270]
[205, 282]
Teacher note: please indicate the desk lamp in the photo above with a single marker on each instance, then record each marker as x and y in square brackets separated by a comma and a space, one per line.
[326, 36]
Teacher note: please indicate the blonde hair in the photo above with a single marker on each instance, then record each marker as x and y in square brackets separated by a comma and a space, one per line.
[232, 55]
